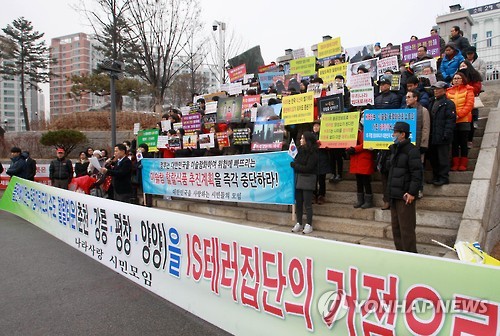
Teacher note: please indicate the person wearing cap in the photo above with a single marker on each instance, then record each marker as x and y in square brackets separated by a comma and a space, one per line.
[405, 178]
[18, 165]
[385, 100]
[377, 50]
[451, 61]
[61, 170]
[477, 63]
[443, 120]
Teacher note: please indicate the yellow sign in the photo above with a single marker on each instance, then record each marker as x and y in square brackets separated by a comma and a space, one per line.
[328, 74]
[304, 66]
[298, 109]
[329, 48]
[339, 130]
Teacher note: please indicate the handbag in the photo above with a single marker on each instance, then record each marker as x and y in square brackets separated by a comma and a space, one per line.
[477, 102]
[305, 181]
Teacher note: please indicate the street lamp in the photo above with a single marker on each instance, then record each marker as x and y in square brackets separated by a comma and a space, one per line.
[114, 69]
[222, 57]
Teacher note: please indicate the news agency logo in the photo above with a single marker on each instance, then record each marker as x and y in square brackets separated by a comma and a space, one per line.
[334, 306]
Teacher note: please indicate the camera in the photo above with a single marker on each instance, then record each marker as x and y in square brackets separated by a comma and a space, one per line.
[215, 25]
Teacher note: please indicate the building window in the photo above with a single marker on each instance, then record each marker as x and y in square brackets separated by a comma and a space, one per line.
[9, 107]
[8, 92]
[9, 100]
[489, 34]
[8, 85]
[474, 40]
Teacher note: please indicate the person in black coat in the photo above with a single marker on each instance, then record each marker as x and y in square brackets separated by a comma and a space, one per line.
[18, 165]
[121, 173]
[405, 178]
[305, 166]
[443, 120]
[324, 167]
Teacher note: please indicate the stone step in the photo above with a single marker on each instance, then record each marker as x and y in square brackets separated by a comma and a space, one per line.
[455, 177]
[455, 189]
[350, 230]
[435, 219]
[434, 203]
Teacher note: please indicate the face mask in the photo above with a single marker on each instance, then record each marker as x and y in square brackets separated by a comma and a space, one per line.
[395, 139]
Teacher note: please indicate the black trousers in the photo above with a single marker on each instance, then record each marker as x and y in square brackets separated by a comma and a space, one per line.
[321, 182]
[303, 199]
[404, 221]
[459, 146]
[364, 183]
[337, 160]
[439, 156]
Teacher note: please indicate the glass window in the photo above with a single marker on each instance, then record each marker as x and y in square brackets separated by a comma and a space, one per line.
[8, 92]
[474, 40]
[489, 34]
[8, 85]
[9, 106]
[9, 100]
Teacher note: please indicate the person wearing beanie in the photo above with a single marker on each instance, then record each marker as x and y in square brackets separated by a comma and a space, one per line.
[478, 64]
[18, 165]
[451, 61]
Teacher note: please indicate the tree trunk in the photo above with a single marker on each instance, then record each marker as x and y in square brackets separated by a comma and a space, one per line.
[23, 103]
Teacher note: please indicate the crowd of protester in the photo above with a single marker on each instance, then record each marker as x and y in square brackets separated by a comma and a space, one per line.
[446, 119]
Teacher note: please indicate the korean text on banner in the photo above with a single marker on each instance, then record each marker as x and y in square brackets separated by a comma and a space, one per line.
[378, 125]
[253, 178]
[409, 49]
[148, 137]
[208, 266]
[298, 109]
[329, 48]
[328, 74]
[304, 66]
[339, 130]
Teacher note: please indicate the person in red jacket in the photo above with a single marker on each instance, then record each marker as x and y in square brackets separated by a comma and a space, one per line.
[463, 97]
[362, 165]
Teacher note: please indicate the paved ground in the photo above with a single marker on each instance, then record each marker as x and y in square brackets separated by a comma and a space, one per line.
[49, 288]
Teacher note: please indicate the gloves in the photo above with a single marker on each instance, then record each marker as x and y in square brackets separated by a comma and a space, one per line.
[351, 150]
[423, 150]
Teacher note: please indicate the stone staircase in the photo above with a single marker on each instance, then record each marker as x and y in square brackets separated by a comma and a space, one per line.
[439, 212]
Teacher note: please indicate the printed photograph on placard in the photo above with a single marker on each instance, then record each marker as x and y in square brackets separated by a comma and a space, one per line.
[229, 109]
[190, 140]
[174, 142]
[207, 140]
[268, 136]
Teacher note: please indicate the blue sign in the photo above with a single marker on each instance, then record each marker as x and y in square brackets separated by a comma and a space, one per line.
[253, 178]
[378, 126]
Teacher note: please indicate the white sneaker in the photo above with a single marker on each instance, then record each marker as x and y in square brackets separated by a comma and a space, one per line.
[297, 228]
[307, 229]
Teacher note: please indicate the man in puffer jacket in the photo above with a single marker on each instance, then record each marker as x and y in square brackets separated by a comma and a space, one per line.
[18, 165]
[61, 170]
[405, 178]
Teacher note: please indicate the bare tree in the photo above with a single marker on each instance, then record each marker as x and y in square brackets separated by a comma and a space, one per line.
[232, 47]
[161, 29]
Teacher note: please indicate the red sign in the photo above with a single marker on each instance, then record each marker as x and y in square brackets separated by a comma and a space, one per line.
[237, 73]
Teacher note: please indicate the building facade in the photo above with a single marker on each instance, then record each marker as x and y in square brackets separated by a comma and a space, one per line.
[75, 55]
[11, 110]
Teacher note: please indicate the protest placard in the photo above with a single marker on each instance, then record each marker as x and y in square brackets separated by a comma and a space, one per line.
[268, 136]
[331, 104]
[339, 130]
[237, 73]
[388, 63]
[298, 109]
[379, 124]
[305, 66]
[362, 96]
[329, 48]
[431, 43]
[360, 80]
[389, 51]
[149, 137]
[328, 74]
[241, 136]
[229, 109]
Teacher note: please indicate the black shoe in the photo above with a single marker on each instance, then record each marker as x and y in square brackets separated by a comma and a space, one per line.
[431, 181]
[439, 183]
